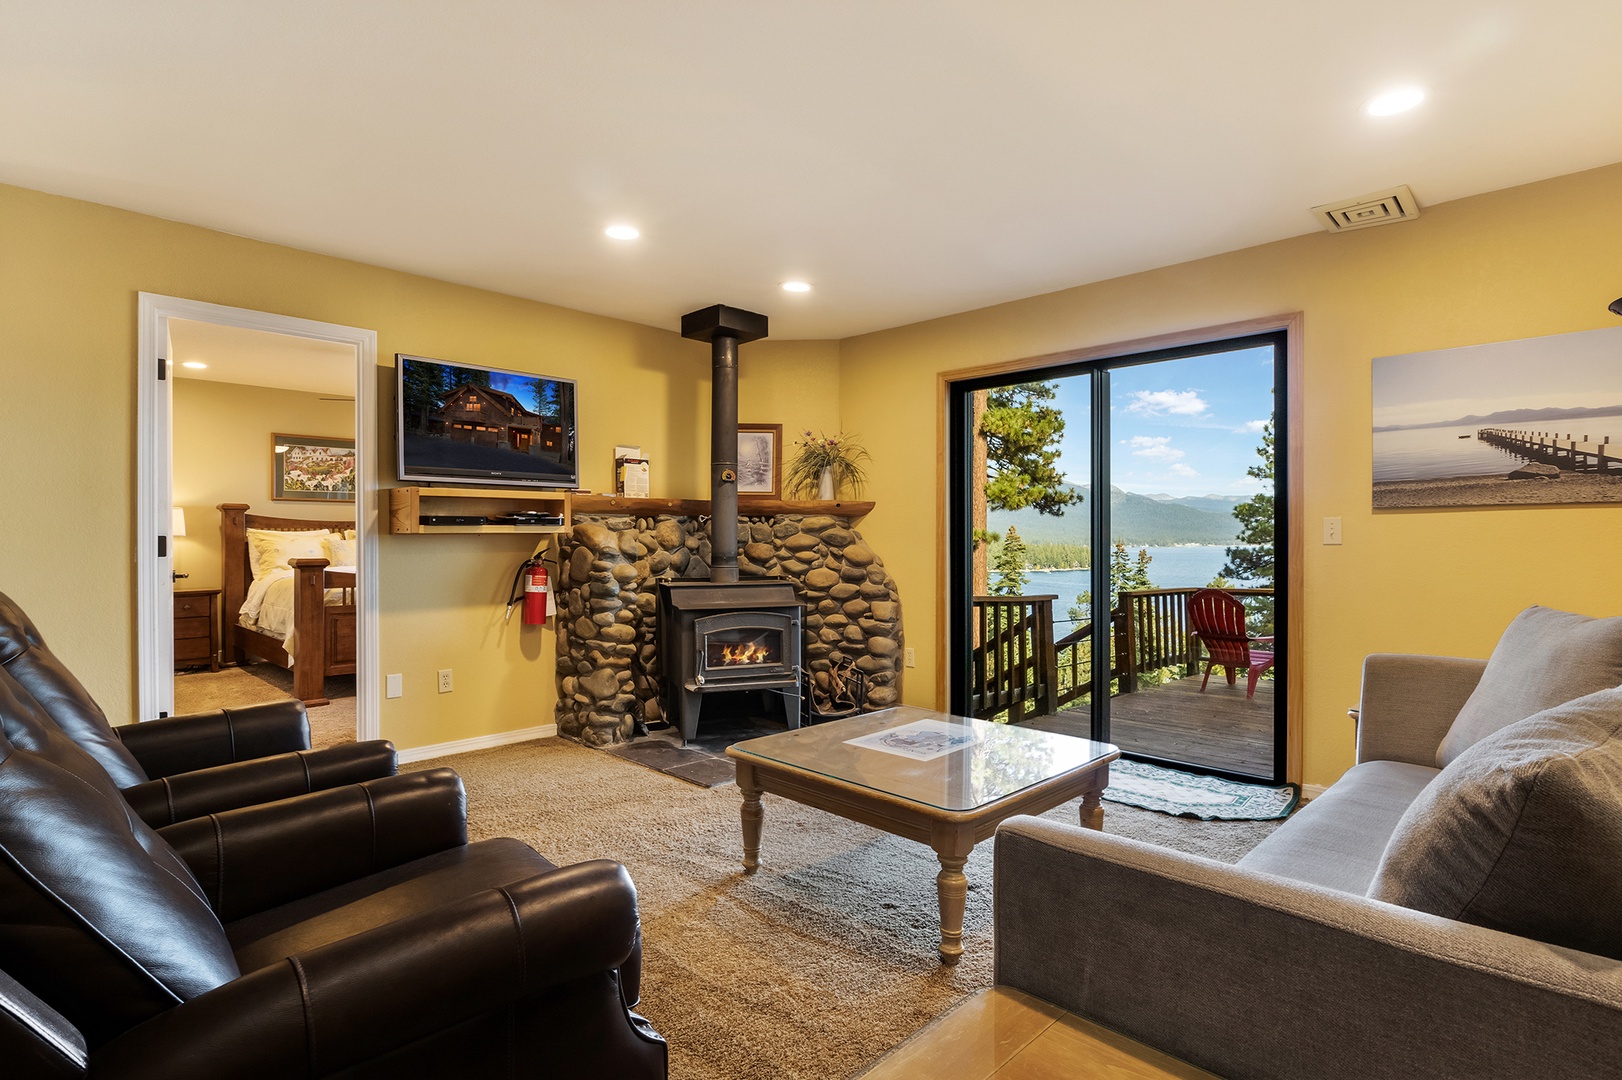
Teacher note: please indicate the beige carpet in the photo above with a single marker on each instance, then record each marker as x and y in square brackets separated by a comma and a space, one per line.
[201, 691]
[813, 968]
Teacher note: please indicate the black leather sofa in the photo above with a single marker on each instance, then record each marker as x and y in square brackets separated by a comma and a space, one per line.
[184, 766]
[352, 932]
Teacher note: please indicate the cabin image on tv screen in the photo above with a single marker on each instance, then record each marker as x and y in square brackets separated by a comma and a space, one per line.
[478, 420]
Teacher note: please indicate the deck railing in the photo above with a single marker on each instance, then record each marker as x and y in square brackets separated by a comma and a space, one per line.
[1019, 668]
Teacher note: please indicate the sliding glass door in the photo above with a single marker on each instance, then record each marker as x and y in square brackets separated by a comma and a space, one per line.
[1180, 662]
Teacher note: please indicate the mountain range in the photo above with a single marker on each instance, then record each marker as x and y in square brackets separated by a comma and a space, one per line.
[1511, 416]
[1150, 520]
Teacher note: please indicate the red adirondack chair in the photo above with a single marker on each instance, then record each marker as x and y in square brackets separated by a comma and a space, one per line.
[1217, 618]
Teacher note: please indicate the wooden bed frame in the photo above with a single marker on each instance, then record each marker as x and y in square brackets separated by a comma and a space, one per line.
[325, 632]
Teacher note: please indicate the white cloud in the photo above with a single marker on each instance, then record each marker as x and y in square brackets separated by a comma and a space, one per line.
[1154, 447]
[1166, 402]
[1183, 470]
[1253, 427]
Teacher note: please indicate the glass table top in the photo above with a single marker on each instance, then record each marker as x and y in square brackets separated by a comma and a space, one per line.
[948, 762]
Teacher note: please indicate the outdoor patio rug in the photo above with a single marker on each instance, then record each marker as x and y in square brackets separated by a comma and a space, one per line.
[1205, 797]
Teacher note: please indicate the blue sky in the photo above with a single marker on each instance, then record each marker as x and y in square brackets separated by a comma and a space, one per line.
[1179, 427]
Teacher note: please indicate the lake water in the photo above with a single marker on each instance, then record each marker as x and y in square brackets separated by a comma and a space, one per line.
[1187, 567]
[1439, 452]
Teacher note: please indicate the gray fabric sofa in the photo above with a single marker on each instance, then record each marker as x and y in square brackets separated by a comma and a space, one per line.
[1491, 786]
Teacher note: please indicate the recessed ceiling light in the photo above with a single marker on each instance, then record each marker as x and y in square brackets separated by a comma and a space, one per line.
[1395, 101]
[623, 232]
[796, 286]
[195, 365]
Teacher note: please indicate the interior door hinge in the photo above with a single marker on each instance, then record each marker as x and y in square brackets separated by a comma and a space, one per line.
[163, 369]
[163, 547]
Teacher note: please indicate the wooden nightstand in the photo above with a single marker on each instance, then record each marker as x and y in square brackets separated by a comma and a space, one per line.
[197, 629]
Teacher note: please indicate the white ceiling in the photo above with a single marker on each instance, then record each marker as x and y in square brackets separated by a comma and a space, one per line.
[260, 358]
[909, 159]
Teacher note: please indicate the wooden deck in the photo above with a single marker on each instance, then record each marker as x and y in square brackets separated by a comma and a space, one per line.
[1219, 729]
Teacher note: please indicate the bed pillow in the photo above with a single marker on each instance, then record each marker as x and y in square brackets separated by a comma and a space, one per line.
[1522, 832]
[1545, 657]
[341, 552]
[269, 548]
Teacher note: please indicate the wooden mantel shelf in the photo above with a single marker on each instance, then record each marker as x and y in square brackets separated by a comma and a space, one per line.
[748, 506]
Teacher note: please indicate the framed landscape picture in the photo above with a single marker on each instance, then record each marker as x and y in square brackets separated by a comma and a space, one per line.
[312, 468]
[1514, 423]
[760, 459]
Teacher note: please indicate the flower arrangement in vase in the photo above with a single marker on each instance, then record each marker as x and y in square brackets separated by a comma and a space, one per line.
[824, 464]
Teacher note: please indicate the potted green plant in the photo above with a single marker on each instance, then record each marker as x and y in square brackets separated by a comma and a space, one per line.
[825, 463]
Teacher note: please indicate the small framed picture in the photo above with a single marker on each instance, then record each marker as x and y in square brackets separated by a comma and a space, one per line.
[312, 468]
[760, 459]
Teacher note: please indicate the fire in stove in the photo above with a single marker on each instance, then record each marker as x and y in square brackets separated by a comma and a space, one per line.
[752, 653]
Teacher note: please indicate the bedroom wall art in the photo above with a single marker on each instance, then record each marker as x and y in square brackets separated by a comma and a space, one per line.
[312, 468]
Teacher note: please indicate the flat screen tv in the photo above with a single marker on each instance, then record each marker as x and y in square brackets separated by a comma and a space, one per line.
[463, 424]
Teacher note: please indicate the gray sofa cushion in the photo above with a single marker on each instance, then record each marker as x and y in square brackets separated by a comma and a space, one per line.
[1336, 840]
[1523, 832]
[1545, 657]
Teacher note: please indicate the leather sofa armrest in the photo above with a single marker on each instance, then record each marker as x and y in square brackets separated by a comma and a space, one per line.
[35, 1039]
[1249, 974]
[1409, 702]
[258, 857]
[178, 744]
[361, 998]
[247, 783]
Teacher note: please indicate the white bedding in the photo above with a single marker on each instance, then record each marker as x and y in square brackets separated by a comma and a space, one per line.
[268, 607]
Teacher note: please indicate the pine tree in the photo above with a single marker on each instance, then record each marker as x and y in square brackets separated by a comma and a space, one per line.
[1023, 434]
[1254, 564]
[1125, 573]
[1010, 565]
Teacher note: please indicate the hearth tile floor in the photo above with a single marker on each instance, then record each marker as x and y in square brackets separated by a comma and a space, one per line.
[702, 761]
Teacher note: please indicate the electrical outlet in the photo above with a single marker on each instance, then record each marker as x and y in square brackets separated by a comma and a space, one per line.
[1331, 530]
[912, 658]
[394, 686]
[444, 680]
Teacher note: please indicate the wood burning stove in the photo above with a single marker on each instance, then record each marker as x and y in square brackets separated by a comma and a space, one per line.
[728, 636]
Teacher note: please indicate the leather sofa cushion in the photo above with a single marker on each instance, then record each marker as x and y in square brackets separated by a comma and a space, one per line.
[395, 893]
[99, 929]
[24, 656]
[1336, 840]
[1523, 832]
[1544, 658]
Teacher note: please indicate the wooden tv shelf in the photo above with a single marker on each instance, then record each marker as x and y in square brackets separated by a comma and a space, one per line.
[748, 506]
[408, 505]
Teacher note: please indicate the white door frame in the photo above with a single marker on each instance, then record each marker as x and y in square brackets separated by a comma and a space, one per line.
[154, 607]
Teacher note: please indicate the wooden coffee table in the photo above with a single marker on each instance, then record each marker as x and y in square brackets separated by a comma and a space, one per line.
[939, 779]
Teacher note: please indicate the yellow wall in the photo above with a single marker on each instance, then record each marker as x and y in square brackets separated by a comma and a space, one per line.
[69, 275]
[1541, 259]
[222, 453]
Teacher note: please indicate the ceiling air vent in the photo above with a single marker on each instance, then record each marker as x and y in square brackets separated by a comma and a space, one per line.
[1380, 208]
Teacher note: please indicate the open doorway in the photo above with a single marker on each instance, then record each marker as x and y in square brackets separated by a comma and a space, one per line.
[262, 422]
[1182, 438]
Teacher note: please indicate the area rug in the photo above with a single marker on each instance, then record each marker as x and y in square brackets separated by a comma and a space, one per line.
[232, 687]
[1208, 798]
[811, 969]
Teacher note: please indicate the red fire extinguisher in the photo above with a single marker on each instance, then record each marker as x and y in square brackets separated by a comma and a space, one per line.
[535, 590]
[531, 589]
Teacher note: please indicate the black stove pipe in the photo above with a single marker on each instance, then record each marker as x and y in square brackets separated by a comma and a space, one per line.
[725, 328]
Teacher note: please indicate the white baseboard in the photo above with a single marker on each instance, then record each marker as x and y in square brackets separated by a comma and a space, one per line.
[1312, 791]
[478, 742]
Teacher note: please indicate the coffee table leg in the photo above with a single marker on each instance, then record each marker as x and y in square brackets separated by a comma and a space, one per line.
[1092, 809]
[953, 889]
[752, 814]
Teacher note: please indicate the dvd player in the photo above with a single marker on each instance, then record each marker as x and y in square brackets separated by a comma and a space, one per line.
[453, 519]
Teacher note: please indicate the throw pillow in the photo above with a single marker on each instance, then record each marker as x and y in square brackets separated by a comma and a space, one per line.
[269, 549]
[1522, 832]
[340, 552]
[1544, 658]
